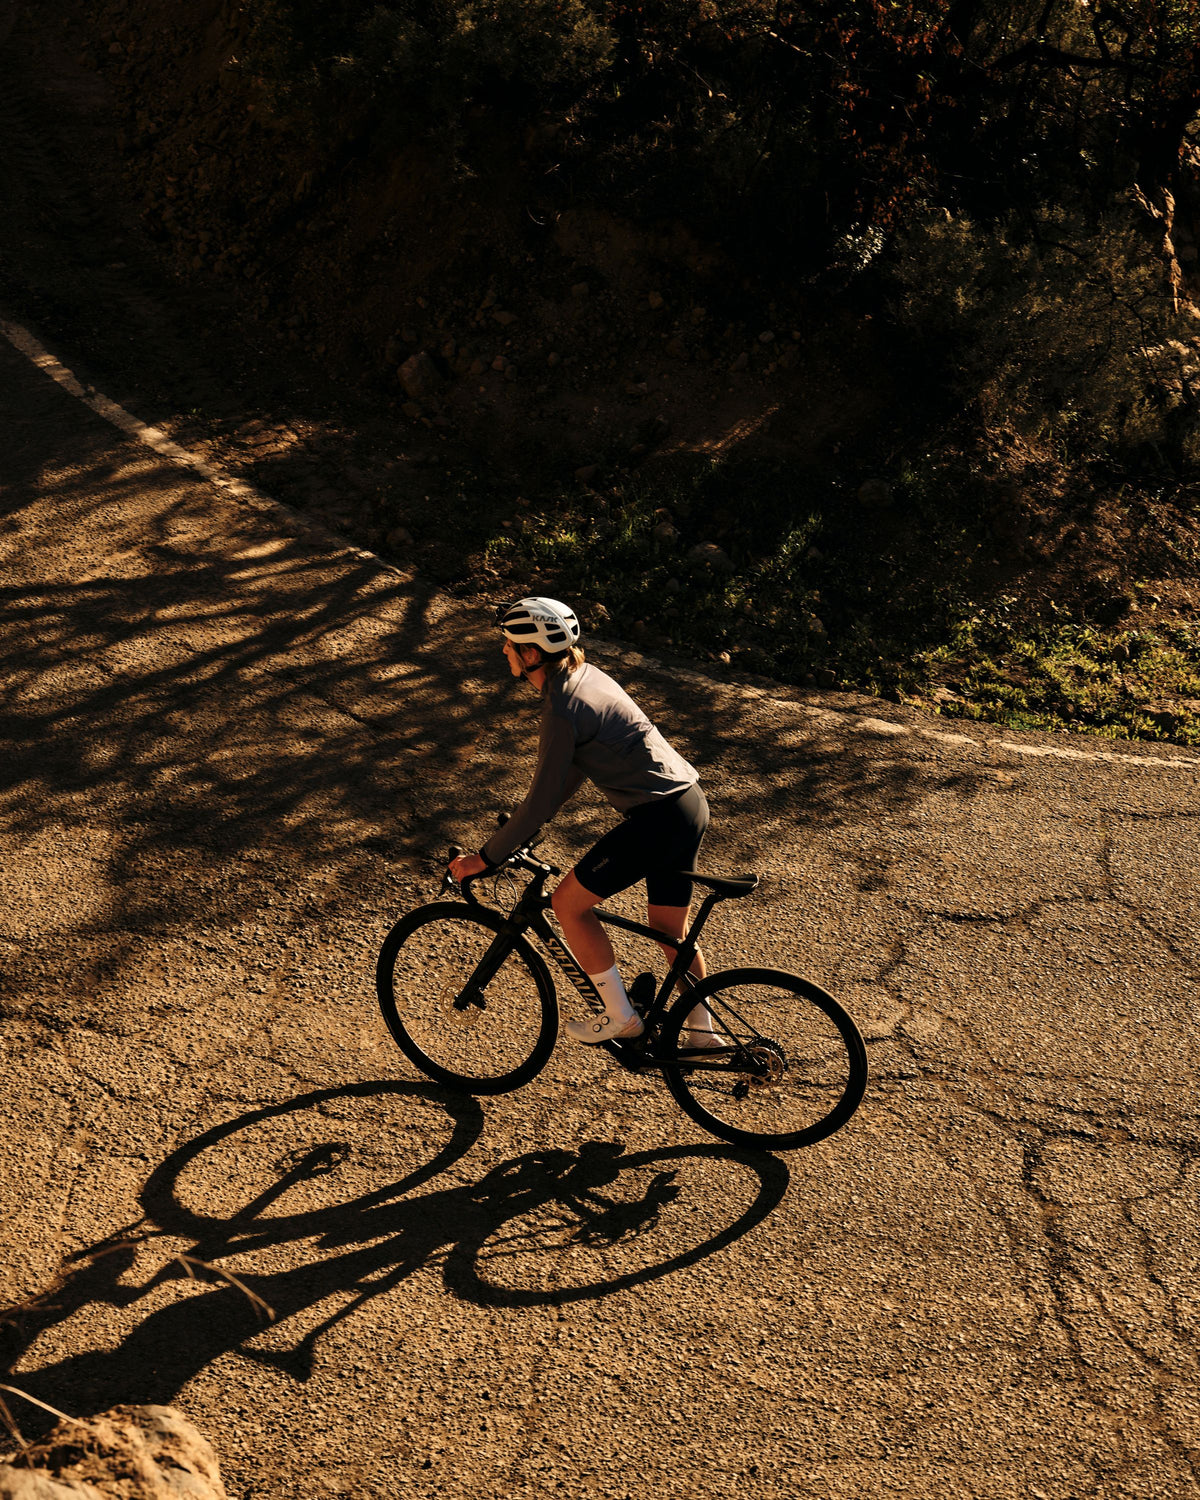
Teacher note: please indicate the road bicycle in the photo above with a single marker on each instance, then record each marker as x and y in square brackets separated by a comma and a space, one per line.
[471, 1003]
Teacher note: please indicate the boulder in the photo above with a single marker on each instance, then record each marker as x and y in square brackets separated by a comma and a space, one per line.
[875, 494]
[709, 555]
[128, 1453]
[419, 377]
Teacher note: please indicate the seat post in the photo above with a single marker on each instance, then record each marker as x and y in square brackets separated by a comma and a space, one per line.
[691, 939]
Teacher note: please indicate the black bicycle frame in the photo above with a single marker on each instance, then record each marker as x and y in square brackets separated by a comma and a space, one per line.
[528, 915]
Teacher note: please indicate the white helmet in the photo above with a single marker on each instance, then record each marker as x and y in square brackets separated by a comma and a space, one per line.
[540, 622]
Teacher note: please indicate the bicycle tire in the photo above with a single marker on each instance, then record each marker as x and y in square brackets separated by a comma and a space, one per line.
[792, 1070]
[424, 966]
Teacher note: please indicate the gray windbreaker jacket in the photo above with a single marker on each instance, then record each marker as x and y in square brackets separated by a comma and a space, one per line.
[591, 728]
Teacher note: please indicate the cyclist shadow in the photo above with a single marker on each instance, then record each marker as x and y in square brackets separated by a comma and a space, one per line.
[348, 1253]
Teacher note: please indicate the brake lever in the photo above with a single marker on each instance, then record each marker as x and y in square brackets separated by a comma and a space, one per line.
[461, 887]
[448, 882]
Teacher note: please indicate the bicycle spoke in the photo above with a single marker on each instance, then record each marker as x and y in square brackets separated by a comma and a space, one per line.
[485, 1037]
[792, 1067]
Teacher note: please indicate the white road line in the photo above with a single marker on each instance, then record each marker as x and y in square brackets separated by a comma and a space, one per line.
[1062, 753]
[23, 341]
[37, 354]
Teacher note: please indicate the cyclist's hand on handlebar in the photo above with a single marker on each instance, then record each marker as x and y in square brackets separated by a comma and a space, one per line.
[467, 865]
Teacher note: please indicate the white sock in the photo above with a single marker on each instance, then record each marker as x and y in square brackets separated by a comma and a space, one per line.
[700, 1019]
[611, 989]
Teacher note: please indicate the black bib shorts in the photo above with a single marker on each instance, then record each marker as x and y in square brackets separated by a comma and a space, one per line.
[654, 842]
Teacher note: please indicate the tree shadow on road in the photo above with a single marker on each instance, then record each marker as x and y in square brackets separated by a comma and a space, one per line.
[214, 715]
[543, 1228]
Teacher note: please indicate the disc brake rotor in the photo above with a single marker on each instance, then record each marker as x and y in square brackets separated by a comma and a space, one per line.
[770, 1064]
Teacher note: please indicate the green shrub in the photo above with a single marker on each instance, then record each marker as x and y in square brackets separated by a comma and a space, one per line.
[1064, 334]
[419, 66]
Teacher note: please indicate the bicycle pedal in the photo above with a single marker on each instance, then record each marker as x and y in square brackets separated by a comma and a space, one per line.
[641, 992]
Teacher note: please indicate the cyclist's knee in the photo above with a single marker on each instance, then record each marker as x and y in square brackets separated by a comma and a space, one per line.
[571, 899]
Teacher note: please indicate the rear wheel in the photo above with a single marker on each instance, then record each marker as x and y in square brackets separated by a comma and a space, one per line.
[481, 1037]
[791, 1068]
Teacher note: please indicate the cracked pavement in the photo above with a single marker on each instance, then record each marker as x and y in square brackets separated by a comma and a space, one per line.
[233, 752]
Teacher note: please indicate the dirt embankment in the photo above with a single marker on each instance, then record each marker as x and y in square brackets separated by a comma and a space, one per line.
[552, 333]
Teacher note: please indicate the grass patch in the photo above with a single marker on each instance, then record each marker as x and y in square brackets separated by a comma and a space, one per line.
[1124, 684]
[796, 576]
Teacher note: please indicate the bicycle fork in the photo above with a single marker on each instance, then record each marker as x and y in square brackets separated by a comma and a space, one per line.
[485, 971]
[498, 950]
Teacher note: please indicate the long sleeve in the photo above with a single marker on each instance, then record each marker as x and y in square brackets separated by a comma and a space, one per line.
[555, 779]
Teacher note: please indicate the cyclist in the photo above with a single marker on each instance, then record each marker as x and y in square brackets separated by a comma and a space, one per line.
[591, 729]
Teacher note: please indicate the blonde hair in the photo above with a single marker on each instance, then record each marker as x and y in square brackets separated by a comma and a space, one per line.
[566, 662]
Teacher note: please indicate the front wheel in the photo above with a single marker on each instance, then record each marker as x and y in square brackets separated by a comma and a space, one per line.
[471, 1007]
[791, 1067]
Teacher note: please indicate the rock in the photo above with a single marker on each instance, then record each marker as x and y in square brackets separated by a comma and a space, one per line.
[552, 359]
[128, 1453]
[1115, 608]
[500, 364]
[419, 376]
[826, 677]
[29, 1484]
[815, 627]
[739, 363]
[586, 474]
[580, 289]
[876, 494]
[505, 319]
[399, 538]
[672, 586]
[653, 430]
[655, 300]
[766, 337]
[709, 555]
[412, 410]
[665, 533]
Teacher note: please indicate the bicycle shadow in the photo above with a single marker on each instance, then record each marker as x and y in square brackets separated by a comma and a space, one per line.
[598, 1200]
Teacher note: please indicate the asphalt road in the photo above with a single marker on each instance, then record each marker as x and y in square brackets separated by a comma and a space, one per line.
[231, 752]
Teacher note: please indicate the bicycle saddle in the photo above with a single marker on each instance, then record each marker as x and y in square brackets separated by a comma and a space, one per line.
[726, 887]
